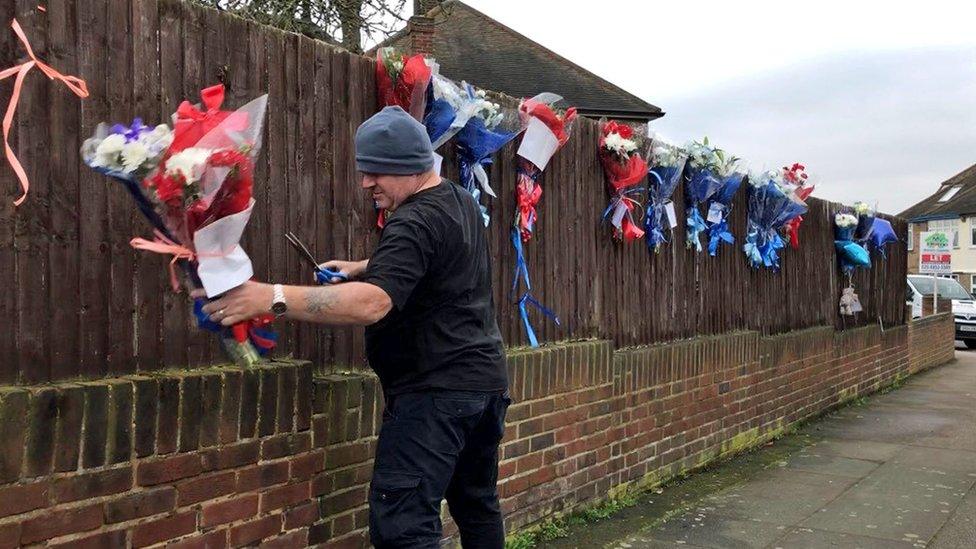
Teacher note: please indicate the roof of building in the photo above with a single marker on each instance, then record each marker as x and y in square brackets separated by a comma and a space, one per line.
[468, 45]
[961, 202]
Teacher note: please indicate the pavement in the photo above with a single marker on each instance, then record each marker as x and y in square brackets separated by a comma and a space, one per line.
[895, 470]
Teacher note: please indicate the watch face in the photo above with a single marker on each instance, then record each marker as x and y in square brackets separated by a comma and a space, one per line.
[279, 307]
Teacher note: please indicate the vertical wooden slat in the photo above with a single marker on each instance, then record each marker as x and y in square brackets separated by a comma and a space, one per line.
[65, 112]
[121, 214]
[9, 191]
[93, 190]
[175, 318]
[149, 284]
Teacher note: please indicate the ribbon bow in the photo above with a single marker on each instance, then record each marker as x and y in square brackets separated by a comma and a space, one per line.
[696, 226]
[719, 232]
[762, 249]
[75, 84]
[254, 330]
[193, 123]
[622, 208]
[161, 244]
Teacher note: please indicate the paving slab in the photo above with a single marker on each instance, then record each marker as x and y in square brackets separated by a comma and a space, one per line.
[960, 529]
[809, 538]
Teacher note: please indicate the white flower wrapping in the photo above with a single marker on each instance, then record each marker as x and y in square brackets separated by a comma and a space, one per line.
[190, 163]
[845, 220]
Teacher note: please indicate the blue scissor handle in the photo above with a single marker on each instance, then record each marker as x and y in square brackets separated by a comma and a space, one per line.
[325, 276]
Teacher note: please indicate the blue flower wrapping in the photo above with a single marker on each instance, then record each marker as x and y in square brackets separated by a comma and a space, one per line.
[700, 185]
[769, 210]
[662, 183]
[718, 231]
[475, 146]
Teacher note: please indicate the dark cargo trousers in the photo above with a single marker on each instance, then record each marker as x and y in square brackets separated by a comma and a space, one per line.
[433, 445]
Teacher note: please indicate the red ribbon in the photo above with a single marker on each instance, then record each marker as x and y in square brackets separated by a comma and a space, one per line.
[528, 193]
[75, 84]
[193, 123]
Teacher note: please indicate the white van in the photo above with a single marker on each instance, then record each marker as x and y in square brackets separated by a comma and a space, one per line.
[963, 304]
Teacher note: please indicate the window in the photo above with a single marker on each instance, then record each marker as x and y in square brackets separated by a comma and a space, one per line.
[972, 233]
[950, 226]
[949, 194]
[911, 237]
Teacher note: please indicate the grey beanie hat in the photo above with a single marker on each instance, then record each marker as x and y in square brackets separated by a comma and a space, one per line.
[392, 142]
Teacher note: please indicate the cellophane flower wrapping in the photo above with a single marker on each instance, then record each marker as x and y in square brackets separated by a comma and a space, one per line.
[402, 80]
[546, 131]
[448, 109]
[795, 176]
[490, 128]
[701, 183]
[771, 205]
[128, 154]
[203, 190]
[865, 221]
[729, 181]
[620, 156]
[665, 174]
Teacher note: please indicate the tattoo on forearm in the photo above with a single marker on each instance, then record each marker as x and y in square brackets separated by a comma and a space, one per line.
[320, 300]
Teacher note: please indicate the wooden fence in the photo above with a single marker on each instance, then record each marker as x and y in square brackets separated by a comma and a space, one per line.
[77, 301]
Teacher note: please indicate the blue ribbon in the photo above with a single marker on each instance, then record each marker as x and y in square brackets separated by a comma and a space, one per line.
[203, 319]
[696, 226]
[205, 323]
[653, 216]
[762, 248]
[718, 233]
[520, 266]
[466, 172]
[523, 303]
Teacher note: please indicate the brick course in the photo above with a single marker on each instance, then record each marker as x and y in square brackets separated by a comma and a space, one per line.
[280, 458]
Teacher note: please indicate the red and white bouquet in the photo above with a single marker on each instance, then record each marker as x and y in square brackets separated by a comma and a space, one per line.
[624, 168]
[796, 177]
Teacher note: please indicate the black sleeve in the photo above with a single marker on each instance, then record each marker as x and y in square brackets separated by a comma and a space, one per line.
[401, 259]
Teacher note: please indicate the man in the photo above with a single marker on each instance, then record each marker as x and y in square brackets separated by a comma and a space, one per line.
[425, 297]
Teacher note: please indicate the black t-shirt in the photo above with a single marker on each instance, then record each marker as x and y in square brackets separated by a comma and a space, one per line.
[433, 261]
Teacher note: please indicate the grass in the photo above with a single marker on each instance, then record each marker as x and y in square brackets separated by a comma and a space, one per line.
[558, 527]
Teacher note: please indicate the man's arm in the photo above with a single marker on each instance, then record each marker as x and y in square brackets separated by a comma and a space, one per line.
[347, 304]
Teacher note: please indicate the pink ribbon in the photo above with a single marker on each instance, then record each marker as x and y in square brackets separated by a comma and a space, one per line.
[163, 245]
[75, 84]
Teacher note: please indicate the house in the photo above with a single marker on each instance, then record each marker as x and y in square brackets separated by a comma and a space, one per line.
[470, 46]
[952, 208]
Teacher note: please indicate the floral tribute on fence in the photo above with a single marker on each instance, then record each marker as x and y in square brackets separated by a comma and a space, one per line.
[490, 128]
[667, 165]
[546, 131]
[702, 179]
[194, 184]
[796, 177]
[403, 81]
[624, 169]
[850, 225]
[772, 205]
[721, 205]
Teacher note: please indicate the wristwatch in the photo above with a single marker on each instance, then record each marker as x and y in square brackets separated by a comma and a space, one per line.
[278, 305]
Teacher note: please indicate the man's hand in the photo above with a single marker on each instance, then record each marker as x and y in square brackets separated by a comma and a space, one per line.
[352, 269]
[244, 302]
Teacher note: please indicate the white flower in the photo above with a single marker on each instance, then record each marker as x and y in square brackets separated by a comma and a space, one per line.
[481, 93]
[110, 145]
[158, 140]
[134, 154]
[189, 163]
[845, 220]
[861, 208]
[618, 144]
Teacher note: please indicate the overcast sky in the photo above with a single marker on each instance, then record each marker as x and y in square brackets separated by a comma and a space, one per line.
[877, 99]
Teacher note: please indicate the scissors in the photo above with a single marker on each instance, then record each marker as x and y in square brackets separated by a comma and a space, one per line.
[322, 275]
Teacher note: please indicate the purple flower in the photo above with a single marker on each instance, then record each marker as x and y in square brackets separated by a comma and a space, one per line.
[133, 132]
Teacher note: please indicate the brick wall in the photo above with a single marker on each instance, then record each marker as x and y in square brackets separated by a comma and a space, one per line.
[230, 457]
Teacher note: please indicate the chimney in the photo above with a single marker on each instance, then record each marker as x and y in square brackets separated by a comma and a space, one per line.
[421, 28]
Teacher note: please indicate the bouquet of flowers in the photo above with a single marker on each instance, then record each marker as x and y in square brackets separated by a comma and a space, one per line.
[772, 204]
[865, 221]
[194, 185]
[850, 253]
[718, 212]
[701, 182]
[448, 108]
[667, 164]
[490, 128]
[796, 177]
[546, 131]
[624, 169]
[402, 80]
